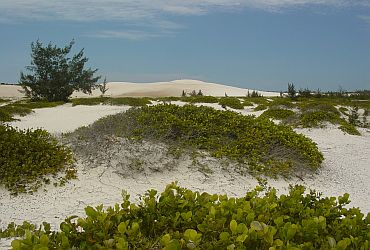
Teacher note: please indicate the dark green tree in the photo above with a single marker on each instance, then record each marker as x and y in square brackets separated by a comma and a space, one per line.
[54, 76]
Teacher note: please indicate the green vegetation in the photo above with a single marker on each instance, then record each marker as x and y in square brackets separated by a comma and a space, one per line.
[130, 101]
[54, 75]
[182, 219]
[258, 143]
[231, 102]
[260, 107]
[3, 100]
[314, 112]
[28, 157]
[198, 99]
[279, 114]
[23, 108]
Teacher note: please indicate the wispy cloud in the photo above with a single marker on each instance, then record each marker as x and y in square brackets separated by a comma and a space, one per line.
[140, 13]
[126, 34]
[365, 18]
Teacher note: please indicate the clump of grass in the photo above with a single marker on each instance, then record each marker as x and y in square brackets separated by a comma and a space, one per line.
[27, 158]
[3, 100]
[251, 141]
[231, 102]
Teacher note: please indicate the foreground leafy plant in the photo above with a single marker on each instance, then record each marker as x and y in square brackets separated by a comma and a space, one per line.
[27, 157]
[182, 219]
[260, 144]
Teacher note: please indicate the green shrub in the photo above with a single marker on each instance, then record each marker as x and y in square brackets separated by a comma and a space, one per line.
[182, 219]
[279, 114]
[317, 118]
[89, 101]
[130, 101]
[247, 103]
[27, 157]
[36, 104]
[344, 111]
[259, 143]
[8, 111]
[231, 102]
[282, 103]
[319, 106]
[3, 100]
[260, 107]
[23, 108]
[201, 99]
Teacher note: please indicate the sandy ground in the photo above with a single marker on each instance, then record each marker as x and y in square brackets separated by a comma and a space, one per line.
[156, 89]
[346, 168]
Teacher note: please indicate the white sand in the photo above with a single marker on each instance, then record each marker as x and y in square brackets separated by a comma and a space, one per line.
[346, 169]
[156, 89]
[65, 118]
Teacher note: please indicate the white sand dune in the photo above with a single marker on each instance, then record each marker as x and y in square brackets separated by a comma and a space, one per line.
[156, 89]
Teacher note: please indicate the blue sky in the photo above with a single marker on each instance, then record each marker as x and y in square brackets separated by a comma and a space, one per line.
[261, 44]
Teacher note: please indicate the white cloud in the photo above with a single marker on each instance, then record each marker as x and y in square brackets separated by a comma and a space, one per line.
[143, 13]
[127, 34]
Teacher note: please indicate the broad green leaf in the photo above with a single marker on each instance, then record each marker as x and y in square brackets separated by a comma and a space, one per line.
[224, 236]
[44, 240]
[332, 242]
[256, 225]
[122, 227]
[233, 226]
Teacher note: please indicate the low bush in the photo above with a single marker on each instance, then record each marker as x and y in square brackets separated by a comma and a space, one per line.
[201, 99]
[258, 143]
[3, 100]
[261, 107]
[231, 102]
[8, 111]
[247, 103]
[23, 108]
[279, 114]
[182, 219]
[130, 101]
[89, 101]
[27, 158]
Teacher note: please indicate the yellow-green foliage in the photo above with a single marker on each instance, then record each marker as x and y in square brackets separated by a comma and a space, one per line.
[231, 102]
[279, 102]
[279, 114]
[22, 108]
[182, 219]
[260, 107]
[130, 101]
[27, 157]
[223, 133]
[200, 99]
